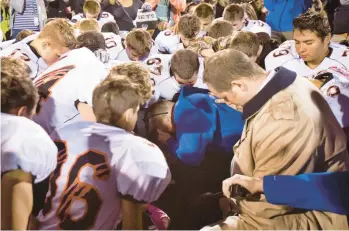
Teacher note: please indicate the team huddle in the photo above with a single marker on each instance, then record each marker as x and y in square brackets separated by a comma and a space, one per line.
[86, 107]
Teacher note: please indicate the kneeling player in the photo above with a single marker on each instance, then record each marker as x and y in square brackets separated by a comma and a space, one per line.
[104, 170]
[28, 155]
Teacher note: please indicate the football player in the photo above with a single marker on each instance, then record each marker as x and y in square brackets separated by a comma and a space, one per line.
[92, 9]
[104, 172]
[168, 42]
[311, 50]
[138, 46]
[113, 42]
[220, 28]
[205, 13]
[42, 50]
[184, 68]
[28, 155]
[235, 14]
[66, 88]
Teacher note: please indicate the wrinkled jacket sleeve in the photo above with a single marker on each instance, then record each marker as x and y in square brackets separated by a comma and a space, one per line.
[194, 131]
[320, 191]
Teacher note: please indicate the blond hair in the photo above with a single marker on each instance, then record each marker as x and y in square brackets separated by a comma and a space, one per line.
[60, 33]
[227, 65]
[246, 42]
[220, 28]
[92, 7]
[137, 74]
[249, 10]
[89, 24]
[112, 98]
[204, 11]
[139, 41]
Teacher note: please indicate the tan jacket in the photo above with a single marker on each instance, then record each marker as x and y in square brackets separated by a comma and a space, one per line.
[289, 130]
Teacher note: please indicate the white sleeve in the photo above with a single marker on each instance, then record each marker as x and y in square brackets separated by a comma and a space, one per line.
[88, 79]
[142, 172]
[36, 154]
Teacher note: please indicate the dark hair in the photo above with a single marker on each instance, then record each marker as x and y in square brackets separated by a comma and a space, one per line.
[204, 10]
[111, 27]
[189, 26]
[185, 63]
[17, 89]
[92, 40]
[220, 28]
[313, 21]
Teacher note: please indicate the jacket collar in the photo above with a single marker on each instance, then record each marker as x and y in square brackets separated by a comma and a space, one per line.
[281, 80]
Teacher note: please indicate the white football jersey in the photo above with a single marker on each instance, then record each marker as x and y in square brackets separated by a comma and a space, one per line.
[98, 165]
[70, 80]
[24, 51]
[26, 146]
[257, 26]
[336, 92]
[168, 42]
[165, 84]
[287, 56]
[114, 44]
[6, 44]
[103, 18]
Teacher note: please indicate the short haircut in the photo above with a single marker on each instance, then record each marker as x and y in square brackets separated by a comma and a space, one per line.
[154, 118]
[139, 41]
[233, 12]
[226, 65]
[113, 97]
[17, 89]
[92, 7]
[14, 67]
[111, 27]
[204, 11]
[89, 24]
[220, 28]
[249, 10]
[92, 40]
[137, 74]
[189, 26]
[189, 5]
[60, 33]
[313, 21]
[185, 63]
[246, 42]
[23, 34]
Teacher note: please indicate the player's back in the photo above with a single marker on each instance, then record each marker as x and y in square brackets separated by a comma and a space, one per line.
[98, 165]
[114, 44]
[66, 83]
[168, 42]
[24, 51]
[25, 145]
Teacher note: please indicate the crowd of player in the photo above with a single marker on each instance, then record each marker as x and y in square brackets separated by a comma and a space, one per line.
[89, 120]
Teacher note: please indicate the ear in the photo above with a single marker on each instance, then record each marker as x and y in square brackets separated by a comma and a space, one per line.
[327, 39]
[238, 83]
[260, 49]
[22, 111]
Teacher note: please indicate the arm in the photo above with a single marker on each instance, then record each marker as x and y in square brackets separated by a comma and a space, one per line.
[320, 191]
[131, 215]
[179, 4]
[16, 199]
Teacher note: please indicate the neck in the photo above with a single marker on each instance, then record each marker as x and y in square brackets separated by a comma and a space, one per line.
[255, 86]
[36, 45]
[315, 63]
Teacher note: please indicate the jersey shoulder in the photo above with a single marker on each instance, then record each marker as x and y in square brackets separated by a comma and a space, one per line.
[165, 40]
[341, 55]
[285, 53]
[25, 145]
[258, 26]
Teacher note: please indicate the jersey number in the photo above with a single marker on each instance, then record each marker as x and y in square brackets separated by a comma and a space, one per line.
[280, 53]
[47, 81]
[76, 190]
[345, 53]
[110, 43]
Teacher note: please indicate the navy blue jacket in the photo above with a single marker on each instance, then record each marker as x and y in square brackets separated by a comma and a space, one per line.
[327, 191]
[202, 124]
